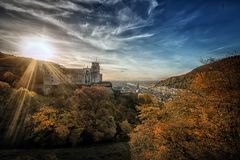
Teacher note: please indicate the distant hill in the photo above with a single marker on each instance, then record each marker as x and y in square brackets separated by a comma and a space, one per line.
[13, 63]
[221, 74]
[12, 69]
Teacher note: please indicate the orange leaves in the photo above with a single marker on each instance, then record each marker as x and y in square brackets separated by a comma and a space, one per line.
[60, 126]
[189, 126]
[201, 123]
[199, 81]
[157, 131]
[45, 119]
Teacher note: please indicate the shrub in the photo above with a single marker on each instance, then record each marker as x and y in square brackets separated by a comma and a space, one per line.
[4, 88]
[4, 85]
[125, 126]
[144, 98]
[9, 77]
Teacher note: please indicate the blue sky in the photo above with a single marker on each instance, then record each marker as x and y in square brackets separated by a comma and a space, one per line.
[132, 39]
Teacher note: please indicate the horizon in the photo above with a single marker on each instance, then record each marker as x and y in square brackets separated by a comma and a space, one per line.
[145, 40]
[112, 80]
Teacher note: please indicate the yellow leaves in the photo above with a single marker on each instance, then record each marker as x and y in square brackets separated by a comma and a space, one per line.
[44, 125]
[61, 125]
[44, 119]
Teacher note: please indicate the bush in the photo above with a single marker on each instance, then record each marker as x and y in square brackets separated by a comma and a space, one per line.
[125, 126]
[144, 98]
[4, 85]
[9, 77]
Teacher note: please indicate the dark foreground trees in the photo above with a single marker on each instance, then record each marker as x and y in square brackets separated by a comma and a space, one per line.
[91, 115]
[97, 110]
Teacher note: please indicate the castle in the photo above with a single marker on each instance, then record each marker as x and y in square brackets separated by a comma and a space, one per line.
[44, 77]
[88, 76]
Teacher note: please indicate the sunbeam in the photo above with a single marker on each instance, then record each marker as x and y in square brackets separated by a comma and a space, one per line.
[29, 76]
[19, 100]
[59, 75]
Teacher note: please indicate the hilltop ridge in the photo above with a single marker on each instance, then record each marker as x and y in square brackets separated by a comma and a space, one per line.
[221, 74]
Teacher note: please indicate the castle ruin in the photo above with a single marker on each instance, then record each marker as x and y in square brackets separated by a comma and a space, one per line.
[71, 76]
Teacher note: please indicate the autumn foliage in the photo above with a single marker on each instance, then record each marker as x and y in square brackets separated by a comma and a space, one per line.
[202, 123]
[91, 115]
[97, 110]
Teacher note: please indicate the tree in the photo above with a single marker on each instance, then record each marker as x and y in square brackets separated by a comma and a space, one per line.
[53, 127]
[97, 110]
[191, 126]
[207, 60]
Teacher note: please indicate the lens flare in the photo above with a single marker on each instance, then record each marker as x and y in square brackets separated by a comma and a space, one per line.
[37, 48]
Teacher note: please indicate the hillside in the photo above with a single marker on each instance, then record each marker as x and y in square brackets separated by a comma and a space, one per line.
[221, 74]
[202, 122]
[17, 70]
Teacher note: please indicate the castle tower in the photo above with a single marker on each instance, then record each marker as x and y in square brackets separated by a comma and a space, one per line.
[95, 72]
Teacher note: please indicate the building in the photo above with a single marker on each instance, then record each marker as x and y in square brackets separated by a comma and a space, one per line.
[53, 76]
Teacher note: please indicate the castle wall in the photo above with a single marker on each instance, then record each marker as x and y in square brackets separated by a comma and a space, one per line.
[72, 76]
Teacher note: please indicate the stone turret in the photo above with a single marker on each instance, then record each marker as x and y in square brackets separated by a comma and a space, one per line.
[95, 73]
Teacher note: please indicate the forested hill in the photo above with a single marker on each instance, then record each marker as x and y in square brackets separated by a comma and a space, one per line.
[221, 74]
[201, 122]
[13, 68]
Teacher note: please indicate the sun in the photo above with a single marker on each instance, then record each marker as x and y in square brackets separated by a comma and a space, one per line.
[37, 48]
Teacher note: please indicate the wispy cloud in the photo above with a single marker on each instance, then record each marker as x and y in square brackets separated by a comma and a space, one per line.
[130, 38]
[153, 5]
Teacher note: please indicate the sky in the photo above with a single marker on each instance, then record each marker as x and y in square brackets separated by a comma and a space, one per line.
[132, 39]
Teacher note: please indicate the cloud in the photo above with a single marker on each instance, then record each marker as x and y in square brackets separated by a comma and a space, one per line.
[104, 37]
[134, 38]
[137, 37]
[153, 5]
